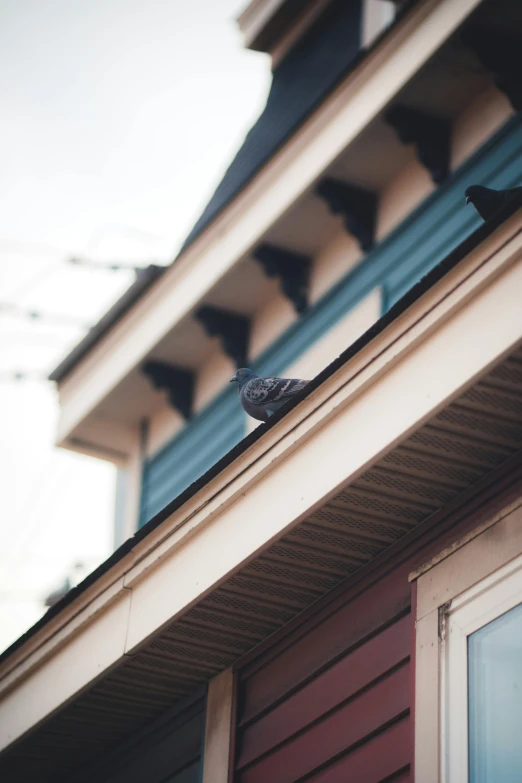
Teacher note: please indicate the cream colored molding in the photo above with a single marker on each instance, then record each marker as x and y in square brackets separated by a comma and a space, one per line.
[404, 193]
[87, 653]
[438, 591]
[365, 364]
[255, 16]
[106, 439]
[363, 94]
[490, 549]
[372, 361]
[345, 417]
[449, 550]
[477, 123]
[377, 15]
[303, 22]
[218, 728]
[259, 15]
[478, 606]
[433, 350]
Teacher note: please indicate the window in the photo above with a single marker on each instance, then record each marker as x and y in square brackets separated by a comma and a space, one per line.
[468, 655]
[481, 668]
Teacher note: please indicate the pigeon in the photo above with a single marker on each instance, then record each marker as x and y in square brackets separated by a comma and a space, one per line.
[261, 397]
[488, 202]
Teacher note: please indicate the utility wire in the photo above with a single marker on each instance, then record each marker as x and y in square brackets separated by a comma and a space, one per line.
[115, 266]
[67, 258]
[39, 315]
[16, 376]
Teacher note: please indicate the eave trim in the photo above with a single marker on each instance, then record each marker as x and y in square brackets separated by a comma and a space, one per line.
[507, 223]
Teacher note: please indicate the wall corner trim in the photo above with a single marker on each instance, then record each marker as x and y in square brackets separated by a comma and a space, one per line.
[218, 728]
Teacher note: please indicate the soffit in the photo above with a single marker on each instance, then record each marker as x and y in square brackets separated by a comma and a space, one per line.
[381, 162]
[371, 160]
[478, 433]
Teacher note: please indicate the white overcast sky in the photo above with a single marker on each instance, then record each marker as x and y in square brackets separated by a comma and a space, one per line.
[117, 119]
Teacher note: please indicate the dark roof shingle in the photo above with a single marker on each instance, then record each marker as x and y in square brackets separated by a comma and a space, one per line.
[303, 78]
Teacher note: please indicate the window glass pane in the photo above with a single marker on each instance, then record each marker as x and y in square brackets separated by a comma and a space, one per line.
[495, 700]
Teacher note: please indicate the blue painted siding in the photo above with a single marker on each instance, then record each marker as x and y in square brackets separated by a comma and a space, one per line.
[198, 446]
[438, 225]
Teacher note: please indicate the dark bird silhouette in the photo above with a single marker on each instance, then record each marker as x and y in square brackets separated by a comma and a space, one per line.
[488, 202]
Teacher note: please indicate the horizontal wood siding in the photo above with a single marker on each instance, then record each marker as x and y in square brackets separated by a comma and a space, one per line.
[438, 225]
[167, 751]
[207, 438]
[410, 250]
[371, 762]
[313, 710]
[330, 698]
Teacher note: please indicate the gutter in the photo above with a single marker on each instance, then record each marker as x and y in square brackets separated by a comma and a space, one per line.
[413, 295]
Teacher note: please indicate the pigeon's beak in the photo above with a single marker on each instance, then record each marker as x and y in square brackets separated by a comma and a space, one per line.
[468, 199]
[234, 378]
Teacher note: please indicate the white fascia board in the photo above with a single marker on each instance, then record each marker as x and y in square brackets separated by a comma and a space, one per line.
[418, 365]
[283, 180]
[92, 650]
[411, 390]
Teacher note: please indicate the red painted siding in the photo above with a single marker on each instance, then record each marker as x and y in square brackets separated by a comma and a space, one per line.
[315, 710]
[374, 761]
[288, 665]
[329, 698]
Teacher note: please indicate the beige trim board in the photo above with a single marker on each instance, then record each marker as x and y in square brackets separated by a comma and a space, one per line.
[282, 181]
[432, 351]
[255, 16]
[376, 16]
[218, 728]
[370, 362]
[449, 550]
[88, 653]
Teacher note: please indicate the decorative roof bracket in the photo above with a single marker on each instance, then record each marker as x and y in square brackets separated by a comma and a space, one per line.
[500, 54]
[293, 270]
[232, 329]
[357, 206]
[178, 383]
[430, 135]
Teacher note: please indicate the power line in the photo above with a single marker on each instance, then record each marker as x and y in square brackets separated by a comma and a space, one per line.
[17, 376]
[65, 257]
[115, 266]
[41, 316]
[43, 275]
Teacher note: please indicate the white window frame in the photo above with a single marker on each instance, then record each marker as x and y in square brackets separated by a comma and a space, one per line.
[458, 591]
[472, 610]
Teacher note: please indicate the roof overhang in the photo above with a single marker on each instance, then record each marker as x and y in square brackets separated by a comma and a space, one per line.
[403, 425]
[104, 396]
